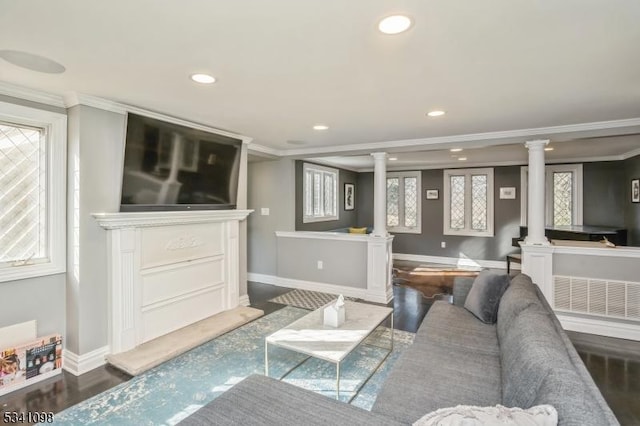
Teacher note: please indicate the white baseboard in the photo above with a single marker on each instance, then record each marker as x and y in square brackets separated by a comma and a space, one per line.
[461, 262]
[262, 278]
[244, 300]
[80, 364]
[360, 293]
[618, 330]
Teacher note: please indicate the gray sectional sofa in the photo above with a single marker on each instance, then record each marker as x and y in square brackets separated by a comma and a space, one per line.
[523, 360]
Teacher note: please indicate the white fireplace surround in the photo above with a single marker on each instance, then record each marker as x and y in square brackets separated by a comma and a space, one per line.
[167, 270]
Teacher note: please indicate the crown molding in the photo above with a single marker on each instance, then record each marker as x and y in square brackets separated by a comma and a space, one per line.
[265, 151]
[468, 140]
[74, 99]
[21, 92]
[473, 164]
[321, 161]
[630, 154]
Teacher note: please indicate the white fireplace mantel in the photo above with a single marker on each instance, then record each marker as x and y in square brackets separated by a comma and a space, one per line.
[167, 270]
[144, 219]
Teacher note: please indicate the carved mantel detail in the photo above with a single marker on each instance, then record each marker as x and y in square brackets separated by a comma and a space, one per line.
[184, 242]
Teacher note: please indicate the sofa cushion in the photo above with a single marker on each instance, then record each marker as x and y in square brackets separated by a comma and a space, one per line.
[454, 360]
[260, 400]
[530, 350]
[458, 329]
[484, 297]
[520, 294]
[461, 288]
[569, 395]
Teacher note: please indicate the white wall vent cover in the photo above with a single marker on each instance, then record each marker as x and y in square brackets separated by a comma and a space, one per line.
[616, 299]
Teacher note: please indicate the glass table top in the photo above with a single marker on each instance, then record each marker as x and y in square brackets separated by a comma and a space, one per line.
[310, 336]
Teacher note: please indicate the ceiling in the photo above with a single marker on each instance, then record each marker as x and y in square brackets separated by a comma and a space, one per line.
[582, 150]
[285, 65]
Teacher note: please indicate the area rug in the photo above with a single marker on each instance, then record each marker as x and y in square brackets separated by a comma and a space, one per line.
[431, 280]
[306, 299]
[167, 394]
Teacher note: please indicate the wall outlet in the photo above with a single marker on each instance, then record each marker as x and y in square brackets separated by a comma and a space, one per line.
[320, 264]
[443, 244]
[264, 211]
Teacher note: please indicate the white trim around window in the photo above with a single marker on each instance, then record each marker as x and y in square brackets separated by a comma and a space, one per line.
[54, 127]
[316, 207]
[467, 228]
[404, 224]
[576, 169]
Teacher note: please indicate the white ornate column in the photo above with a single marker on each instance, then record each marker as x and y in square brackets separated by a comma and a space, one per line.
[379, 256]
[380, 194]
[536, 193]
[537, 254]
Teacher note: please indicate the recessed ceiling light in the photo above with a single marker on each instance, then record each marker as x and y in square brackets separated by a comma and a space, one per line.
[320, 127]
[462, 158]
[203, 78]
[549, 148]
[393, 158]
[455, 149]
[435, 113]
[394, 24]
[32, 61]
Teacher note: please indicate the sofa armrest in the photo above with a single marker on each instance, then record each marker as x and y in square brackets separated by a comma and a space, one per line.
[461, 287]
[259, 400]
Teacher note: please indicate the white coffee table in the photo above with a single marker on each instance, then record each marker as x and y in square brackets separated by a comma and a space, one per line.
[308, 335]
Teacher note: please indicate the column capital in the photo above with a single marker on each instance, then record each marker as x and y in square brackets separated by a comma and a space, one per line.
[537, 143]
[379, 155]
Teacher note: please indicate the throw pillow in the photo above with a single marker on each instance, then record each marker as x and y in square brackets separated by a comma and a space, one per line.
[484, 297]
[465, 415]
[358, 230]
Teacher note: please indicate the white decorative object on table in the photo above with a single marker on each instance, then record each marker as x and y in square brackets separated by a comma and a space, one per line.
[334, 314]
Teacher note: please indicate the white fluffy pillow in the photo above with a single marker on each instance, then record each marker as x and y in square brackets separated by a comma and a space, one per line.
[466, 415]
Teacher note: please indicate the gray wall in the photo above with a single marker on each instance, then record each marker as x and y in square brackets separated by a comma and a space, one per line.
[345, 218]
[271, 184]
[599, 267]
[364, 199]
[603, 194]
[506, 217]
[344, 262]
[96, 138]
[43, 298]
[631, 210]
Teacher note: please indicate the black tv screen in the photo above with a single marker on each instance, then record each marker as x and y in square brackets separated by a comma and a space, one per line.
[173, 167]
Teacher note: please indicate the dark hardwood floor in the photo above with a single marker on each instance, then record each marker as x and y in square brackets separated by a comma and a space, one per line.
[613, 363]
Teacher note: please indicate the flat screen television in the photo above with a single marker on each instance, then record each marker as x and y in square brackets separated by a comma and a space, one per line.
[173, 167]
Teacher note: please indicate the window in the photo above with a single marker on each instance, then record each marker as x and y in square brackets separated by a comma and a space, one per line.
[320, 193]
[563, 194]
[468, 202]
[32, 192]
[403, 202]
